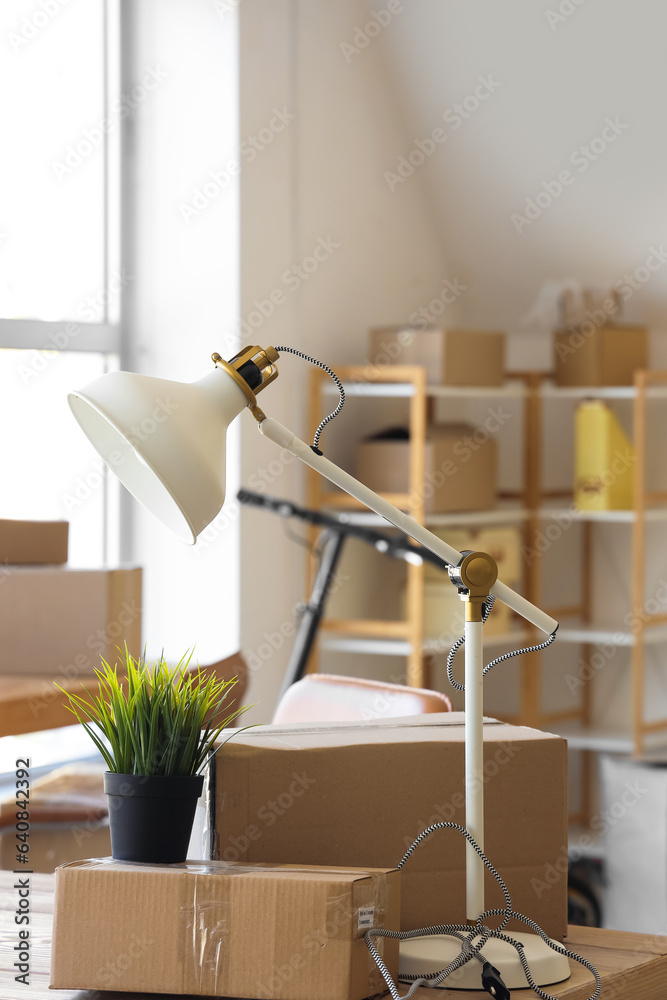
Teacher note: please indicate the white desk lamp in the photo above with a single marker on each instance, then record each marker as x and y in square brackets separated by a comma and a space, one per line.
[165, 441]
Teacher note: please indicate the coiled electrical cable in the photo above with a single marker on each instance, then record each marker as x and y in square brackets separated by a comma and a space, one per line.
[467, 935]
[488, 606]
[332, 374]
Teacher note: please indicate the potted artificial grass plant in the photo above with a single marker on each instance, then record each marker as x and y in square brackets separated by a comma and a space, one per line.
[160, 724]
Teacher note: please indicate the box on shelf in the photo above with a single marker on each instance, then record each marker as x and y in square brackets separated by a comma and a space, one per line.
[460, 467]
[57, 621]
[598, 356]
[443, 609]
[359, 793]
[206, 928]
[450, 357]
[604, 459]
[29, 542]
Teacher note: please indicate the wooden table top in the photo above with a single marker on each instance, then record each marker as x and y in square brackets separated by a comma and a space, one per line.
[633, 966]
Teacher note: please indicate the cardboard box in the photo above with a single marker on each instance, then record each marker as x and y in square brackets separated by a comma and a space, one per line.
[604, 459]
[605, 355]
[57, 621]
[460, 471]
[359, 793]
[29, 542]
[280, 932]
[450, 357]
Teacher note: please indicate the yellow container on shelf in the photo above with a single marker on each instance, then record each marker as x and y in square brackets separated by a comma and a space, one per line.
[604, 459]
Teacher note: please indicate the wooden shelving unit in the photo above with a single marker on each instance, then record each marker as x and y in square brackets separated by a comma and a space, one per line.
[530, 506]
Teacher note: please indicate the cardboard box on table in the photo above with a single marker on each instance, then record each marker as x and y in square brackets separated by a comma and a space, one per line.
[280, 932]
[450, 357]
[597, 356]
[460, 472]
[33, 542]
[59, 621]
[359, 793]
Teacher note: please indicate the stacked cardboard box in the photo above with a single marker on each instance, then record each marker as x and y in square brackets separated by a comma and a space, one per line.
[280, 932]
[359, 793]
[450, 357]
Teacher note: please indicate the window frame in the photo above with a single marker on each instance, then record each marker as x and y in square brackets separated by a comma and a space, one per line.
[106, 336]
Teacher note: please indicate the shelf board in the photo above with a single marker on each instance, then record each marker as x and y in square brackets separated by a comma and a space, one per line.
[597, 738]
[457, 519]
[407, 389]
[602, 516]
[597, 635]
[600, 392]
[397, 647]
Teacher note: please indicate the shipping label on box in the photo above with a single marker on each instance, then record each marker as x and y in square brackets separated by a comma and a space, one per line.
[58, 622]
[272, 932]
[359, 793]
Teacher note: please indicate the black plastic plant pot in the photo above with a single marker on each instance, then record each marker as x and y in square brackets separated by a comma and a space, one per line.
[151, 817]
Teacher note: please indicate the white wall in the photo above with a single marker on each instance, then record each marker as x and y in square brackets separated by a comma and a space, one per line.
[365, 97]
[322, 177]
[183, 301]
[556, 81]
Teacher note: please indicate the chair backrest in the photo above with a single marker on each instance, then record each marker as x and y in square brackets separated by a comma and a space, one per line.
[330, 698]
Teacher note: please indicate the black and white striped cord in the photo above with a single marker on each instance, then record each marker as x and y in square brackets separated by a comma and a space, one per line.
[488, 605]
[332, 374]
[467, 935]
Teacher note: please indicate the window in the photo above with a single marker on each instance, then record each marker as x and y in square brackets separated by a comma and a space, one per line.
[60, 280]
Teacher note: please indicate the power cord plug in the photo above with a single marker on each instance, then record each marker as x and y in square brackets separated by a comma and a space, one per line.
[493, 984]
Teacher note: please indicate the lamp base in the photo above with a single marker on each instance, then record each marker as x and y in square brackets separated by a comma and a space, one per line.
[433, 953]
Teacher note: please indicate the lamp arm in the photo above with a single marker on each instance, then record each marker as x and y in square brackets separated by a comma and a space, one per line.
[286, 439]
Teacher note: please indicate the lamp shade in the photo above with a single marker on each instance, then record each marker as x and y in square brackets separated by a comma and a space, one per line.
[164, 440]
